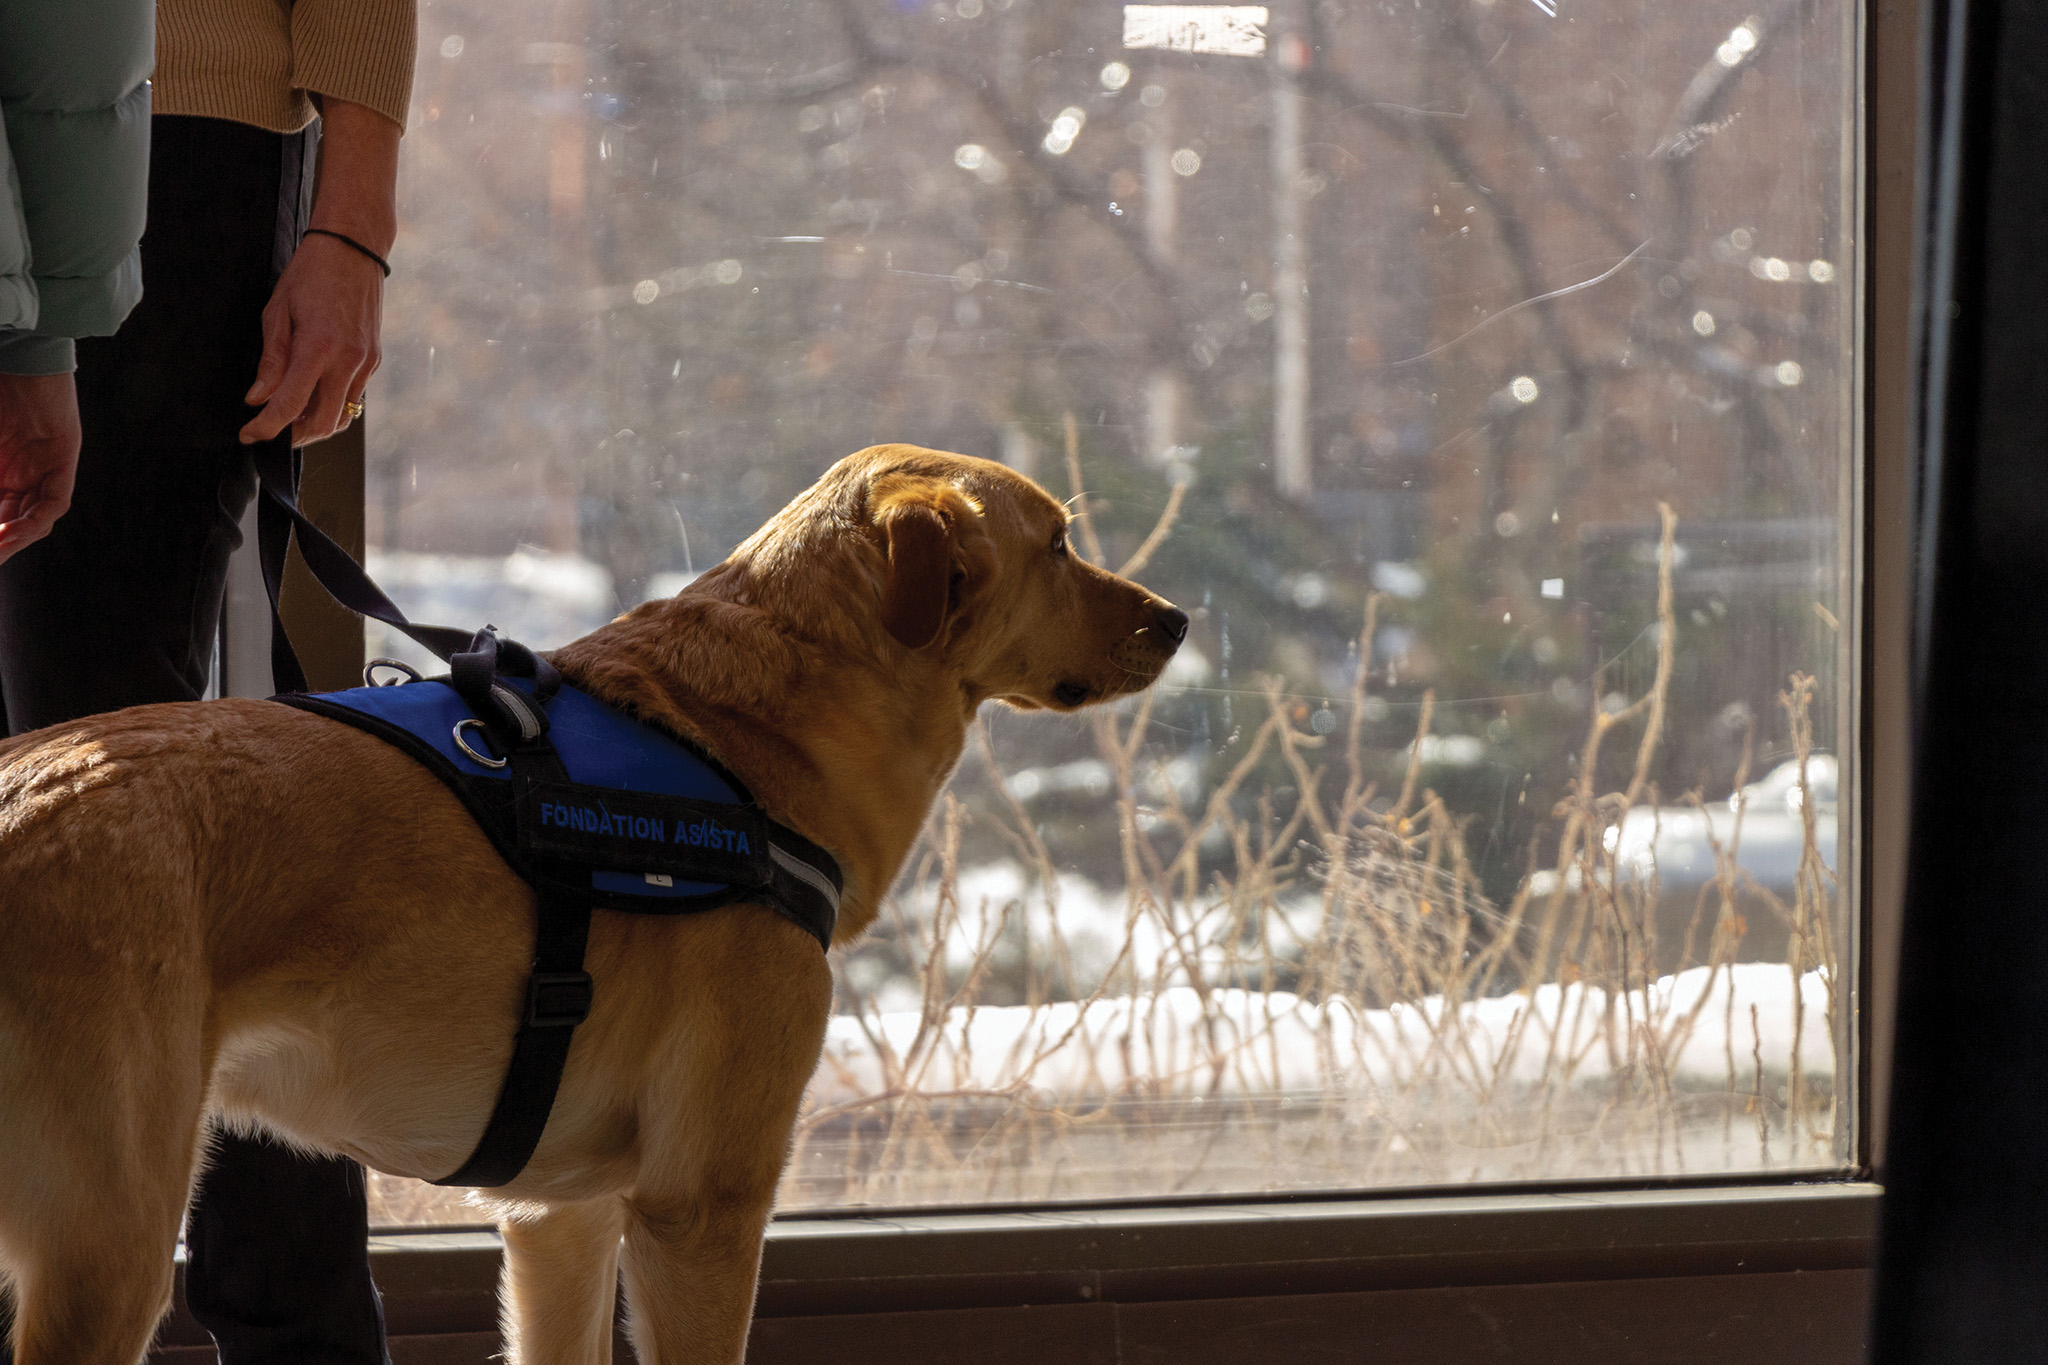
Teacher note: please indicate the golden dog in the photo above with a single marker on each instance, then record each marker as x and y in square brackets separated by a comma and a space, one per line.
[238, 909]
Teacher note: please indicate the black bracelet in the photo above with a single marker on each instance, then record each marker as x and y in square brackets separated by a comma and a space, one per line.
[382, 264]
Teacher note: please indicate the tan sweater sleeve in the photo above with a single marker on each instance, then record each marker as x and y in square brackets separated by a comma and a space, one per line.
[228, 59]
[356, 50]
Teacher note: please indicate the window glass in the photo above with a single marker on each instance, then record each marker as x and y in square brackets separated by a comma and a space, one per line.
[1477, 373]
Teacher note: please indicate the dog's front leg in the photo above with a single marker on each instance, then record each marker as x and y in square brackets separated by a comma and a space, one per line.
[690, 1270]
[561, 1284]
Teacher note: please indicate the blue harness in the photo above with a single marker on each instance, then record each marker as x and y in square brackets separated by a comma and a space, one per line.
[635, 820]
[594, 809]
[590, 806]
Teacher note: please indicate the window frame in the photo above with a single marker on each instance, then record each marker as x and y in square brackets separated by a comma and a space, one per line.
[441, 1286]
[442, 1283]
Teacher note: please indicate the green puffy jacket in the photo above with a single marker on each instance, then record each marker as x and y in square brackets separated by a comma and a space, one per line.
[74, 156]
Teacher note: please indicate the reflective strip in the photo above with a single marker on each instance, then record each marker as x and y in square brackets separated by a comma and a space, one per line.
[521, 708]
[805, 873]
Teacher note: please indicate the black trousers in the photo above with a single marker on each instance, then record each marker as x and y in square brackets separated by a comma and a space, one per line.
[120, 606]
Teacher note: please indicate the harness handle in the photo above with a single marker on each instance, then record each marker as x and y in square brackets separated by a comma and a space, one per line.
[512, 717]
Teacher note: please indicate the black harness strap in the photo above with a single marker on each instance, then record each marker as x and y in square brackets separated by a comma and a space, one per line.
[559, 994]
[558, 998]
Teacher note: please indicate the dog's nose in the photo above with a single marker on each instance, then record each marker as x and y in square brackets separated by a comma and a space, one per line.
[1172, 623]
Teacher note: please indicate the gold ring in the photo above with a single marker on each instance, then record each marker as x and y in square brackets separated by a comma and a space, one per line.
[354, 409]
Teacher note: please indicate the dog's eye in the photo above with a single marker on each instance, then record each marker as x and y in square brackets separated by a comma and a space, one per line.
[1059, 542]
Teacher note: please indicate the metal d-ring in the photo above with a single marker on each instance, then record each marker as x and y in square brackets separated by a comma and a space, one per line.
[463, 744]
[370, 672]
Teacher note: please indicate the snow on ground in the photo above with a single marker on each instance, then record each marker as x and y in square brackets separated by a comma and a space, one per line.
[1246, 1042]
[1087, 929]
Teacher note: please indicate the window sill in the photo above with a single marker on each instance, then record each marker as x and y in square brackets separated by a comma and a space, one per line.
[1427, 1257]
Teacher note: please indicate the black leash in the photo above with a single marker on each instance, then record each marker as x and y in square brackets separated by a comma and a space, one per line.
[277, 518]
[476, 660]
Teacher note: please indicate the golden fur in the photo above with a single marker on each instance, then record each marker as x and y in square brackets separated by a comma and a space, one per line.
[242, 910]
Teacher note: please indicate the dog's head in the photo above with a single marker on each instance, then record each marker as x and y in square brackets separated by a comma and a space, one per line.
[966, 566]
[859, 630]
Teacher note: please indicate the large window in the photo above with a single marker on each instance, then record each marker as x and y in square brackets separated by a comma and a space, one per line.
[1478, 373]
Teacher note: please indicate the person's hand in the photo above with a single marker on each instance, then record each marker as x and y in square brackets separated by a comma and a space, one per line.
[319, 342]
[39, 439]
[320, 328]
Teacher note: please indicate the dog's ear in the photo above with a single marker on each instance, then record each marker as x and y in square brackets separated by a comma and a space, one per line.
[924, 521]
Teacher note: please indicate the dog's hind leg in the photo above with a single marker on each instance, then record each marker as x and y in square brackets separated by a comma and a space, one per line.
[91, 1259]
[82, 1306]
[561, 1284]
[100, 1126]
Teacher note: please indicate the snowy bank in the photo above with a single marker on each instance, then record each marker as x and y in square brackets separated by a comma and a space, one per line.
[1697, 1026]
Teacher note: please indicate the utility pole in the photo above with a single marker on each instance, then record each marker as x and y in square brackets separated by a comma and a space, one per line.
[1231, 31]
[1162, 226]
[567, 123]
[1288, 57]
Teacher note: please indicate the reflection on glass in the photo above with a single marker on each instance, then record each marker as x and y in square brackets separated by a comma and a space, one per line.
[1478, 374]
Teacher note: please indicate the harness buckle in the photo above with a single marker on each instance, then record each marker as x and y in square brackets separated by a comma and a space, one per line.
[558, 999]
